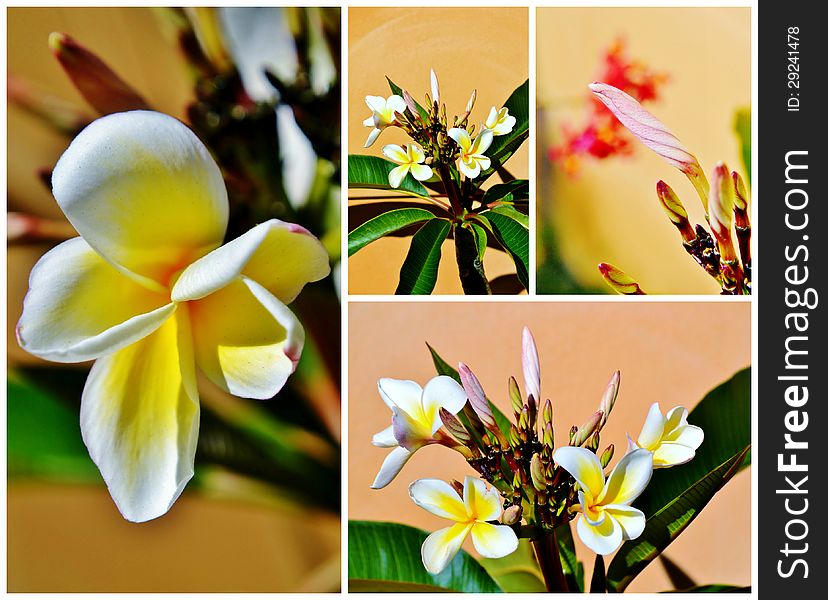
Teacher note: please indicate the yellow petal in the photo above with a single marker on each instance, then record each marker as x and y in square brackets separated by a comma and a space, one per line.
[442, 545]
[79, 307]
[280, 256]
[481, 504]
[246, 341]
[628, 479]
[493, 541]
[143, 190]
[139, 420]
[584, 466]
[438, 498]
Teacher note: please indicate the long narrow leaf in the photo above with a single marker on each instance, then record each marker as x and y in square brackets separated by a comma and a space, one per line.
[371, 172]
[383, 224]
[514, 238]
[419, 271]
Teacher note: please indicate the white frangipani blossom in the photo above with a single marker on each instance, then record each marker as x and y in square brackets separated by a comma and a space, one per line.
[472, 157]
[410, 159]
[671, 439]
[500, 121]
[383, 114]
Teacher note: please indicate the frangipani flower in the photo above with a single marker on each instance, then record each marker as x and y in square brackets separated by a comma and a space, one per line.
[416, 419]
[148, 290]
[470, 514]
[410, 159]
[472, 159]
[671, 439]
[607, 517]
[383, 114]
[500, 121]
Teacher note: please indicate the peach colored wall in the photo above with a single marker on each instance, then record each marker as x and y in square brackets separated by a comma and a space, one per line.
[610, 213]
[482, 48]
[672, 352]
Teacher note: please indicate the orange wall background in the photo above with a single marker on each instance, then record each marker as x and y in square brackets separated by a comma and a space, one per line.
[610, 212]
[671, 352]
[469, 48]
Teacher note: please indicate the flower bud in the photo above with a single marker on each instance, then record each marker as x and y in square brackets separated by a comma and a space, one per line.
[512, 515]
[514, 396]
[721, 211]
[537, 471]
[514, 437]
[409, 102]
[472, 100]
[587, 429]
[531, 365]
[610, 394]
[546, 415]
[455, 427]
[740, 201]
[435, 87]
[96, 82]
[675, 211]
[593, 442]
[620, 281]
[477, 397]
[549, 436]
[606, 456]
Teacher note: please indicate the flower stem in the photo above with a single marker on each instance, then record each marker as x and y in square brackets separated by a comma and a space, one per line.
[549, 559]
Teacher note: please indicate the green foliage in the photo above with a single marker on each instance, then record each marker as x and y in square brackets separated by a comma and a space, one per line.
[514, 238]
[741, 125]
[419, 271]
[371, 172]
[383, 224]
[385, 557]
[518, 572]
[516, 190]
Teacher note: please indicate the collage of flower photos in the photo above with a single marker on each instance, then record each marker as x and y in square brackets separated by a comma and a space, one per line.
[212, 384]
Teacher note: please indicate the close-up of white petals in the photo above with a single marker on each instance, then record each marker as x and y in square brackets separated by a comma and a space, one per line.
[410, 159]
[150, 292]
[383, 114]
[472, 161]
[500, 121]
[671, 439]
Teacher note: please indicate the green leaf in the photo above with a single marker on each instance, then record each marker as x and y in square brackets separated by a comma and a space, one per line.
[44, 438]
[741, 125]
[516, 190]
[371, 172]
[518, 105]
[724, 416]
[517, 572]
[512, 213]
[678, 577]
[514, 238]
[419, 270]
[383, 224]
[573, 569]
[480, 238]
[385, 557]
[443, 368]
[667, 524]
[599, 576]
[395, 89]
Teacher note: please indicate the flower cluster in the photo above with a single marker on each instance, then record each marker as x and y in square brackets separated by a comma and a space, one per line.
[602, 136]
[725, 202]
[534, 485]
[435, 144]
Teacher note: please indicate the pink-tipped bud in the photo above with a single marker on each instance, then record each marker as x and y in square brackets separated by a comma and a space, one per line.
[741, 199]
[675, 210]
[531, 365]
[477, 397]
[619, 281]
[409, 102]
[472, 100]
[608, 399]
[97, 83]
[722, 199]
[587, 429]
[435, 88]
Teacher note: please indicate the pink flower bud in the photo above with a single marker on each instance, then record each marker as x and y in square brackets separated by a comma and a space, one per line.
[531, 365]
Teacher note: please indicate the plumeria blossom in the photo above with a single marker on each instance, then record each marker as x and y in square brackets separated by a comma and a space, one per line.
[149, 292]
[416, 419]
[607, 518]
[671, 439]
[383, 114]
[472, 157]
[500, 121]
[410, 159]
[471, 515]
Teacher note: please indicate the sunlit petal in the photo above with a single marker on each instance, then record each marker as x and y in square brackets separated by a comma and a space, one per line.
[391, 466]
[653, 428]
[583, 465]
[461, 136]
[139, 419]
[385, 438]
[421, 172]
[438, 498]
[481, 504]
[442, 545]
[80, 307]
[670, 454]
[628, 479]
[493, 541]
[396, 175]
[442, 392]
[631, 520]
[395, 153]
[401, 393]
[602, 539]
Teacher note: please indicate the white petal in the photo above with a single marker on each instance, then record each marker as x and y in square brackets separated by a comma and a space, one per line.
[139, 419]
[483, 141]
[396, 175]
[391, 466]
[461, 136]
[80, 307]
[470, 169]
[401, 393]
[481, 504]
[415, 153]
[412, 431]
[144, 192]
[246, 341]
[653, 428]
[676, 417]
[438, 498]
[494, 541]
[369, 122]
[281, 256]
[631, 520]
[491, 120]
[385, 438]
[395, 153]
[421, 172]
[442, 392]
[375, 103]
[483, 162]
[442, 545]
[628, 479]
[372, 137]
[687, 435]
[396, 103]
[669, 454]
[602, 539]
[583, 465]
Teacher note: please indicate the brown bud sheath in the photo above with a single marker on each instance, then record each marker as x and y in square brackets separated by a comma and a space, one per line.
[97, 83]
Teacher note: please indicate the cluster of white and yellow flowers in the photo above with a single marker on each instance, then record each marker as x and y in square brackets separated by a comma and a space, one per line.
[149, 293]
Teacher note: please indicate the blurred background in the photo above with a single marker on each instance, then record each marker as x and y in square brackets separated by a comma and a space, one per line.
[692, 68]
[469, 48]
[262, 512]
[671, 353]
